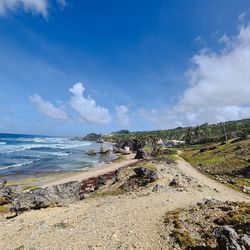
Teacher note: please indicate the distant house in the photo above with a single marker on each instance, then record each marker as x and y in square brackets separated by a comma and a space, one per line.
[174, 143]
[159, 142]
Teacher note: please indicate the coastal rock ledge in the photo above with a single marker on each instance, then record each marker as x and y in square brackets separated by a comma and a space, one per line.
[60, 195]
[46, 197]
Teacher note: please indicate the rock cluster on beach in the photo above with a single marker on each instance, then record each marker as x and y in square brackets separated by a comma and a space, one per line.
[6, 193]
[62, 194]
[46, 197]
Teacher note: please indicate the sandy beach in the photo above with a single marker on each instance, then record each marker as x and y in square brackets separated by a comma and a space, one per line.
[93, 171]
[130, 221]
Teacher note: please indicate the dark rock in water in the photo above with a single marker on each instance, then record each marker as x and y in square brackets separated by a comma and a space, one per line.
[50, 196]
[3, 183]
[104, 150]
[227, 238]
[140, 154]
[100, 140]
[91, 152]
[146, 173]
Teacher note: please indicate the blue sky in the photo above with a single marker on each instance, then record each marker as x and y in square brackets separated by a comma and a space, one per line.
[73, 67]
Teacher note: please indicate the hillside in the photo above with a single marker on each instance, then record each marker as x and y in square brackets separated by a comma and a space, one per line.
[227, 162]
[192, 135]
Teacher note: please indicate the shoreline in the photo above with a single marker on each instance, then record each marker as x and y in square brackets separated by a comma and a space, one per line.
[34, 181]
[94, 171]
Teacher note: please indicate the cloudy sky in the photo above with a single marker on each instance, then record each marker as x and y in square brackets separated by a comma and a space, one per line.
[70, 67]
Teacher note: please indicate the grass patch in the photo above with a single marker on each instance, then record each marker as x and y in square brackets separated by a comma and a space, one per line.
[61, 225]
[23, 182]
[3, 200]
[20, 247]
[228, 161]
[149, 165]
[120, 158]
[183, 238]
[26, 188]
[4, 209]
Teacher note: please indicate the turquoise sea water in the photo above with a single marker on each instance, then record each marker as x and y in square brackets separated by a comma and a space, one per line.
[30, 154]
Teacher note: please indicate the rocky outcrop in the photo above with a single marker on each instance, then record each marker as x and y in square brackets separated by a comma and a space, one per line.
[6, 193]
[140, 154]
[59, 195]
[228, 239]
[91, 152]
[147, 173]
[133, 144]
[94, 183]
[46, 197]
[3, 183]
[104, 150]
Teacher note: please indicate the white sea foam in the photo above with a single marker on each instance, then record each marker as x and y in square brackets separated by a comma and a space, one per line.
[17, 148]
[16, 165]
[58, 153]
[2, 143]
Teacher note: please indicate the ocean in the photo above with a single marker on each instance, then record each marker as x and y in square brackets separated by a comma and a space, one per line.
[31, 155]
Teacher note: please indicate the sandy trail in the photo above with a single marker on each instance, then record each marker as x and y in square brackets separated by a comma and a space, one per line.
[131, 221]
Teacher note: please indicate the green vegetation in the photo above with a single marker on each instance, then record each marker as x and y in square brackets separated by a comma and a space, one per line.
[61, 225]
[20, 247]
[92, 137]
[4, 209]
[204, 133]
[120, 159]
[126, 181]
[228, 162]
[26, 188]
[3, 201]
[193, 228]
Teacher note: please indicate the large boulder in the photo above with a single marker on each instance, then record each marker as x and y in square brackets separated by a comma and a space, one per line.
[245, 240]
[104, 150]
[227, 238]
[6, 193]
[50, 196]
[150, 174]
[3, 183]
[140, 154]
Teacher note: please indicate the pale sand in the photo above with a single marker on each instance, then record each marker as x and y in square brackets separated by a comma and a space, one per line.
[93, 171]
[130, 221]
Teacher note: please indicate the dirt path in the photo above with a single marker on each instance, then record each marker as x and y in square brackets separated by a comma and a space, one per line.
[131, 221]
[231, 194]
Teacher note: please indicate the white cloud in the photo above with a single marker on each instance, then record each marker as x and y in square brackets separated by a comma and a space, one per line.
[87, 108]
[152, 115]
[219, 86]
[49, 109]
[33, 6]
[122, 116]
